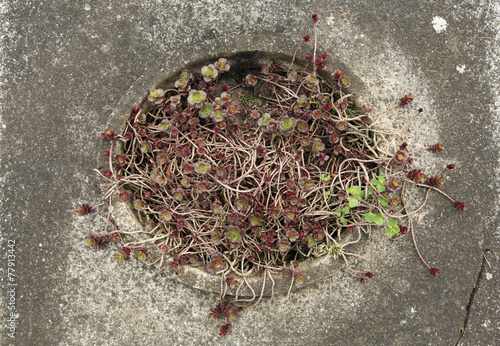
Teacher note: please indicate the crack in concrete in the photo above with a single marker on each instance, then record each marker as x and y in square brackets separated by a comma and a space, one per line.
[472, 295]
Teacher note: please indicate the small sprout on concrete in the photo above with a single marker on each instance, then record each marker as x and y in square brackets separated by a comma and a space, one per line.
[164, 249]
[123, 254]
[460, 206]
[84, 209]
[141, 254]
[436, 148]
[406, 100]
[125, 195]
[300, 278]
[400, 157]
[231, 282]
[434, 271]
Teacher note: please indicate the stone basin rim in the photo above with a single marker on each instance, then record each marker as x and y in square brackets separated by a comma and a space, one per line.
[316, 269]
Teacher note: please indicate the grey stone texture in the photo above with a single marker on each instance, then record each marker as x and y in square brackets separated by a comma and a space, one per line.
[63, 61]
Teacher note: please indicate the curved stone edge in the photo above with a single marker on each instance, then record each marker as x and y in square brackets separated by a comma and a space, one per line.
[196, 276]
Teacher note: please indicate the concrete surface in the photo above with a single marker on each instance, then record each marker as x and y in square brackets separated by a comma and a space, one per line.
[63, 61]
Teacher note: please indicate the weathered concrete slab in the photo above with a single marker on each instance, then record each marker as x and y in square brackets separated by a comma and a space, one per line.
[483, 325]
[62, 62]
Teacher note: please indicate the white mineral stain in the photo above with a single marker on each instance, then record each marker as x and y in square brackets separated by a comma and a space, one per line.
[461, 69]
[439, 24]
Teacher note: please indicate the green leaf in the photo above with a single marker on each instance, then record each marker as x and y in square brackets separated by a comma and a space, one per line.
[381, 179]
[392, 223]
[374, 182]
[325, 177]
[383, 201]
[369, 217]
[380, 188]
[234, 236]
[327, 194]
[338, 212]
[391, 231]
[346, 210]
[355, 190]
[353, 202]
[343, 221]
[379, 219]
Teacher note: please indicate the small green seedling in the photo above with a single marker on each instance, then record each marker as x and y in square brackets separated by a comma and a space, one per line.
[384, 200]
[353, 202]
[356, 192]
[325, 177]
[379, 183]
[374, 218]
[392, 228]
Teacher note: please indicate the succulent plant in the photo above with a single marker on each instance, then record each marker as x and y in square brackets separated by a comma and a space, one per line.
[394, 183]
[222, 65]
[141, 254]
[250, 80]
[181, 84]
[209, 72]
[234, 234]
[311, 81]
[218, 115]
[196, 98]
[202, 167]
[287, 124]
[156, 96]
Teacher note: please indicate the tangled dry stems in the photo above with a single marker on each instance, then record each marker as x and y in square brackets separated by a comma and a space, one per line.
[260, 189]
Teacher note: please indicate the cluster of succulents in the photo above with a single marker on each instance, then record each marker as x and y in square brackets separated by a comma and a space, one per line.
[239, 186]
[256, 175]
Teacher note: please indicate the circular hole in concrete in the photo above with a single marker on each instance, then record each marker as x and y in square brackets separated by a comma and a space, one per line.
[230, 194]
